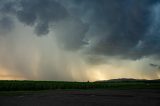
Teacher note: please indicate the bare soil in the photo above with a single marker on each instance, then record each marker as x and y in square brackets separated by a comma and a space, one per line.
[143, 97]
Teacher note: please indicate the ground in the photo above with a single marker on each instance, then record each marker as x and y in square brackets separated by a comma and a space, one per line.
[141, 97]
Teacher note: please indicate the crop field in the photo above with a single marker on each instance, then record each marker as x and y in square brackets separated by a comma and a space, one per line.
[61, 93]
[51, 85]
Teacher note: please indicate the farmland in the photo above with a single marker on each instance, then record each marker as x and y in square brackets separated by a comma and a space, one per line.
[99, 93]
[52, 85]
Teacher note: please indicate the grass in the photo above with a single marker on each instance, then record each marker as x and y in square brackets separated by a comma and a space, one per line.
[51, 85]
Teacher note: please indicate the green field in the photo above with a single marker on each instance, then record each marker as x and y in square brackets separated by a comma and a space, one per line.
[51, 85]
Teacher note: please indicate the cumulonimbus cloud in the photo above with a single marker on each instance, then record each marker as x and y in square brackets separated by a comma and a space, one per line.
[125, 28]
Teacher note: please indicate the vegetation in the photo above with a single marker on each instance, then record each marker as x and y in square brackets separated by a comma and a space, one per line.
[50, 85]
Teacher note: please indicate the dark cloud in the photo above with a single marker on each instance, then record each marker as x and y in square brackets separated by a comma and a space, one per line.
[71, 33]
[46, 15]
[8, 6]
[154, 65]
[119, 27]
[6, 25]
[125, 28]
[42, 13]
[37, 13]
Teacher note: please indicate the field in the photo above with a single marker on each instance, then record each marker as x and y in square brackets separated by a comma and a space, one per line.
[52, 85]
[100, 93]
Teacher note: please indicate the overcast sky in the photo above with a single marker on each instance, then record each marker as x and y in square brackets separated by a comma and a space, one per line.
[79, 40]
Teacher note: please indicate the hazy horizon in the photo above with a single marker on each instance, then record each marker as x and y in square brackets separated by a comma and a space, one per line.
[79, 40]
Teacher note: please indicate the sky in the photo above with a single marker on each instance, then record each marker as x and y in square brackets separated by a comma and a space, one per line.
[79, 40]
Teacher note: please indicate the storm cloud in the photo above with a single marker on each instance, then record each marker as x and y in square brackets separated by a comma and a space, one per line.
[99, 31]
[127, 28]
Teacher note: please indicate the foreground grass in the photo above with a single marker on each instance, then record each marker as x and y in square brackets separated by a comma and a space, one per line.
[51, 85]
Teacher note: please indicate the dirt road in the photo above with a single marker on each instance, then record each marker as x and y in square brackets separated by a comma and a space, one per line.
[84, 98]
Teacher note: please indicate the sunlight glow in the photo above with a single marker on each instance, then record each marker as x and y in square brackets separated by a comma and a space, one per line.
[6, 75]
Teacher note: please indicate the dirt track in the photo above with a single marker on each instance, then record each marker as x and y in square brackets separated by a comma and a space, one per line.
[85, 98]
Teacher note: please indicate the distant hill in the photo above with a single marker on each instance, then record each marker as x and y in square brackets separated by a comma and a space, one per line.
[129, 80]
